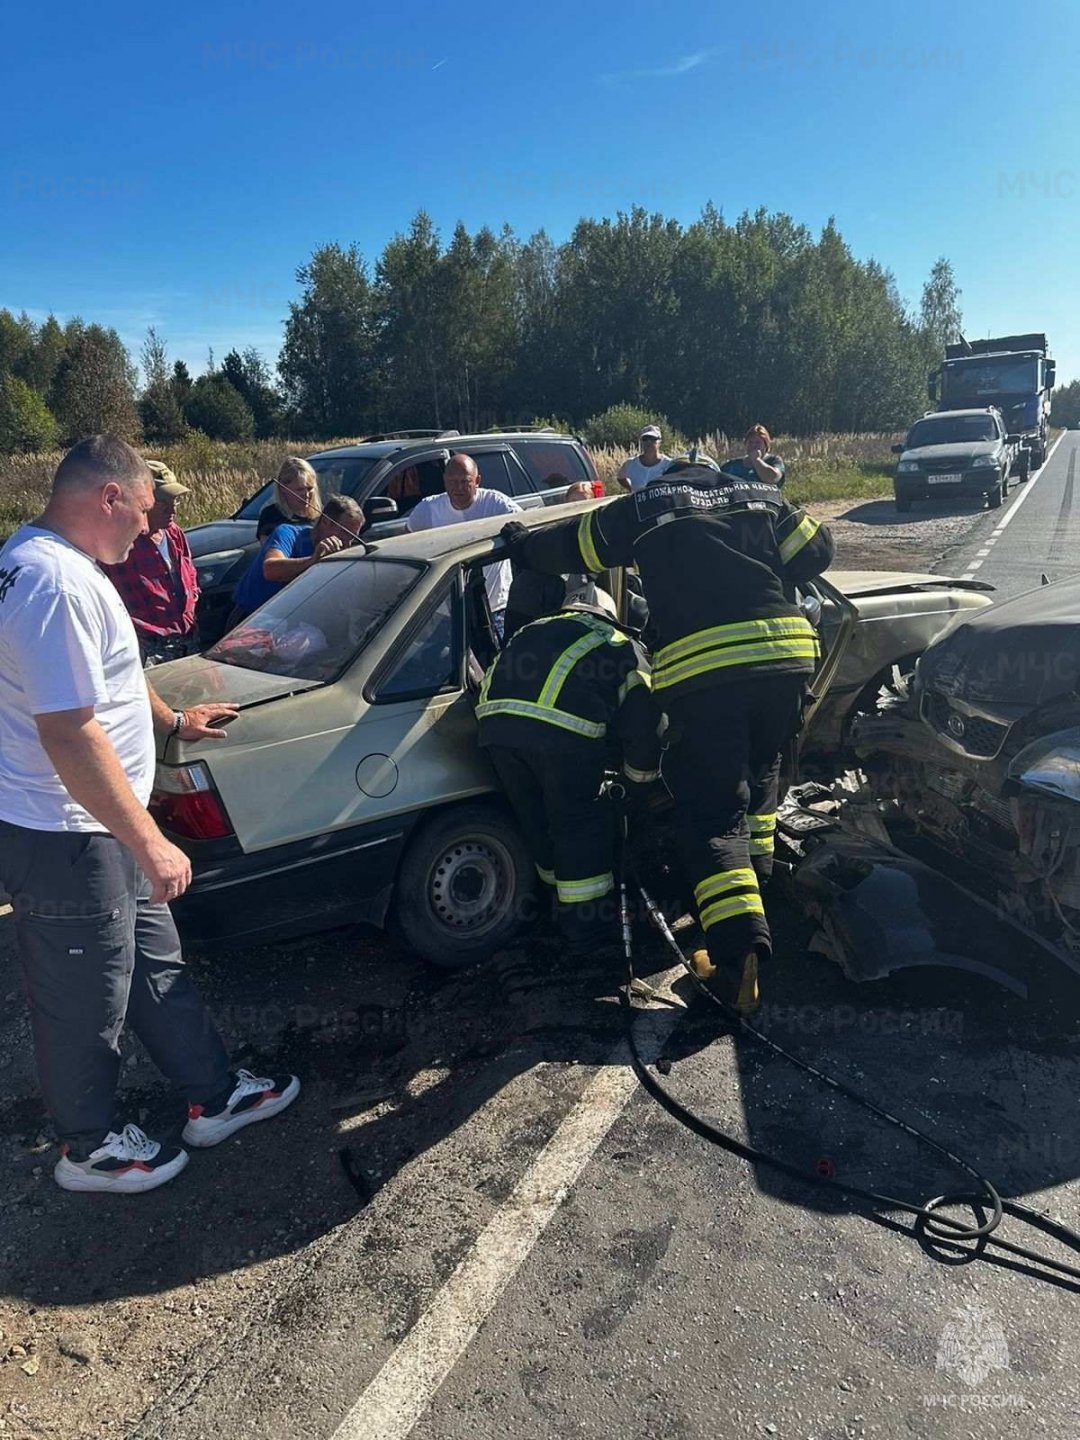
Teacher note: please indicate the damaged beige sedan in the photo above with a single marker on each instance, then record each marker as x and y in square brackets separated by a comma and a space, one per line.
[350, 787]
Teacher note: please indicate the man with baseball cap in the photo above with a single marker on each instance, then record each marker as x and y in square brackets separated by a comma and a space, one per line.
[158, 582]
[635, 473]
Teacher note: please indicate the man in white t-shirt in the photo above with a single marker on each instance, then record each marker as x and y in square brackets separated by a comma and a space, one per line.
[88, 870]
[463, 499]
[635, 473]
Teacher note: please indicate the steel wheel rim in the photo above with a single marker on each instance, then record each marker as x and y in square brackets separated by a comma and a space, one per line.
[471, 885]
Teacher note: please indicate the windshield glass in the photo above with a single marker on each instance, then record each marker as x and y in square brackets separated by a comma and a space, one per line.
[319, 622]
[992, 377]
[338, 475]
[952, 430]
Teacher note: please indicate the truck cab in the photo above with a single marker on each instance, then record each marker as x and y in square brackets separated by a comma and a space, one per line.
[1012, 373]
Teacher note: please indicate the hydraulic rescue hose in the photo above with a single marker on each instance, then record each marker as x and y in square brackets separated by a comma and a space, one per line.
[933, 1229]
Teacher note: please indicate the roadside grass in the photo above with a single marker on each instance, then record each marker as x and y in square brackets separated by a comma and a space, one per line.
[221, 476]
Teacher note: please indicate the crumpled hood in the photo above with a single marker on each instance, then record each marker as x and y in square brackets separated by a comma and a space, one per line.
[1017, 655]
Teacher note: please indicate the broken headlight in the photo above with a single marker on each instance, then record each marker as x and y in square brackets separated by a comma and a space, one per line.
[1050, 765]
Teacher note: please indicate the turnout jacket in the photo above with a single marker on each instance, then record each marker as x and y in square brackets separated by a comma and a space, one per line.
[569, 681]
[715, 555]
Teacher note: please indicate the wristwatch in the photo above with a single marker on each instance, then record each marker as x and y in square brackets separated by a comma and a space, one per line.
[178, 723]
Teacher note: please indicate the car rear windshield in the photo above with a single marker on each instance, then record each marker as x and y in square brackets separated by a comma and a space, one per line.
[322, 620]
[338, 475]
[956, 430]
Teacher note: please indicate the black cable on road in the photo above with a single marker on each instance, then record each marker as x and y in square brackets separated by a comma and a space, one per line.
[935, 1231]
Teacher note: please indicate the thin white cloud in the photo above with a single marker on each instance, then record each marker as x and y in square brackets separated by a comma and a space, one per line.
[682, 66]
[438, 64]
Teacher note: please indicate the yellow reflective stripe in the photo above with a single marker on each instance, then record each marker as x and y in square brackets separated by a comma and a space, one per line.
[722, 882]
[762, 844]
[547, 876]
[759, 824]
[748, 904]
[736, 655]
[632, 681]
[529, 710]
[590, 559]
[560, 672]
[640, 777]
[576, 892]
[803, 533]
[779, 627]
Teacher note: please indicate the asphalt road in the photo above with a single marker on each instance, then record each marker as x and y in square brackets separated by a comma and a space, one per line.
[1037, 534]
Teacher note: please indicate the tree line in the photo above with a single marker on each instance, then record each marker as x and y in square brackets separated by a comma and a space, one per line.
[713, 324]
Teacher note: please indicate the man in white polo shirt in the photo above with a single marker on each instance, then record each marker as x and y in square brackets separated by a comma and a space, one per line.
[635, 473]
[463, 499]
[88, 870]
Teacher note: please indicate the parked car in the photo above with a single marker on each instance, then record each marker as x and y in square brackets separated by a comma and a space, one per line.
[958, 452]
[535, 467]
[350, 786]
[983, 758]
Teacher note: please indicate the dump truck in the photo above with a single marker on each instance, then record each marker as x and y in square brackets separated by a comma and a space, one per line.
[1012, 373]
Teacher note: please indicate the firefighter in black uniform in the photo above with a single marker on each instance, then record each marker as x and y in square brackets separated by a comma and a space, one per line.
[563, 692]
[717, 556]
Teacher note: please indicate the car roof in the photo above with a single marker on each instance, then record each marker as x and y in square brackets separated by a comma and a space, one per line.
[380, 449]
[470, 535]
[951, 414]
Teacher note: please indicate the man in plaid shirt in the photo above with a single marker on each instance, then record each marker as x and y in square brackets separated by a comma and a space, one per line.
[157, 582]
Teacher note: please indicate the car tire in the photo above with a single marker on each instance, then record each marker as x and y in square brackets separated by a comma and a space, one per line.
[903, 504]
[1037, 457]
[1025, 468]
[996, 497]
[465, 886]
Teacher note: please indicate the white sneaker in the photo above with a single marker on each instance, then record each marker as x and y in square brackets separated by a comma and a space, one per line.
[253, 1098]
[127, 1163]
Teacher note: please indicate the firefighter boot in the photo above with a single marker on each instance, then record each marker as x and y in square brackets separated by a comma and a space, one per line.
[735, 984]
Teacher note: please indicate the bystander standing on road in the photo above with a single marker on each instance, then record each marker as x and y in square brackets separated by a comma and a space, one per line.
[158, 582]
[296, 496]
[635, 473]
[464, 499]
[757, 463]
[89, 872]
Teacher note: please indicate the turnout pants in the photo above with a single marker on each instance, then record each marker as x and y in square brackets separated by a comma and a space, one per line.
[722, 768]
[97, 954]
[569, 828]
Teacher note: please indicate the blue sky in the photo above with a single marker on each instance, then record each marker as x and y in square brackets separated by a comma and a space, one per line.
[173, 168]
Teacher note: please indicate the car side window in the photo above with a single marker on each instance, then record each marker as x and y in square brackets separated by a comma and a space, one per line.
[494, 472]
[551, 462]
[430, 662]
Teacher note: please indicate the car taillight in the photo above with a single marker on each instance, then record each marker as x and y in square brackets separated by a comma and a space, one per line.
[598, 490]
[185, 802]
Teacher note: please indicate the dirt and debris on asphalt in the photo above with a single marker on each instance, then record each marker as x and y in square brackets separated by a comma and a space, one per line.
[872, 535]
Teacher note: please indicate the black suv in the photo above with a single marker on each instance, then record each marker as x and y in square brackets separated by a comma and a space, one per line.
[958, 452]
[535, 467]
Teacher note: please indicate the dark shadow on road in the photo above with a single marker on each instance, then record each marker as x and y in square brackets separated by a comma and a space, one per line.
[884, 512]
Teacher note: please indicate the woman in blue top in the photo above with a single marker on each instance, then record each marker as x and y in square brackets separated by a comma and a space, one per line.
[296, 503]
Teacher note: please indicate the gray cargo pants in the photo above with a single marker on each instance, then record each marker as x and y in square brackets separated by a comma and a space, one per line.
[95, 954]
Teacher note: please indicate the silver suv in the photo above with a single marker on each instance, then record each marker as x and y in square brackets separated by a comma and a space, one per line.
[533, 466]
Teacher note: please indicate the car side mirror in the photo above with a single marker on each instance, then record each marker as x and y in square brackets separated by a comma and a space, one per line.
[380, 507]
[897, 449]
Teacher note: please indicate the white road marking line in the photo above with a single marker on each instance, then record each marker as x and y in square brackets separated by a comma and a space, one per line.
[983, 553]
[409, 1379]
[1030, 485]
